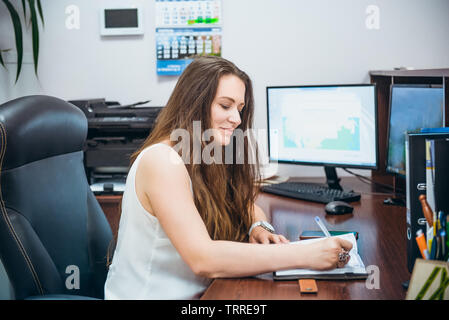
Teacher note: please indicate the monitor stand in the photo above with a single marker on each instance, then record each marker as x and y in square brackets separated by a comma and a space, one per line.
[398, 199]
[395, 202]
[332, 180]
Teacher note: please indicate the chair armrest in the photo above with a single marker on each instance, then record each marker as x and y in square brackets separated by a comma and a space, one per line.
[60, 297]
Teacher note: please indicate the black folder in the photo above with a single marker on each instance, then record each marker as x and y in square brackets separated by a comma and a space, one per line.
[415, 186]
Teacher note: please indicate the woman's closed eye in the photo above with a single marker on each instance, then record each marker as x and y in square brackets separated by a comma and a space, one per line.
[227, 107]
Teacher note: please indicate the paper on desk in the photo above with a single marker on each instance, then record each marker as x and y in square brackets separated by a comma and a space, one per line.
[355, 265]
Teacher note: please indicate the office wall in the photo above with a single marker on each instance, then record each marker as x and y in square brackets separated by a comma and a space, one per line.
[278, 42]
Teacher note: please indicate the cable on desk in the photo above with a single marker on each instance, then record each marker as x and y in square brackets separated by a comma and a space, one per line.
[367, 180]
[377, 193]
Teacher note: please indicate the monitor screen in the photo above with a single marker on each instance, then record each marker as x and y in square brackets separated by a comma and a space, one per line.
[411, 108]
[332, 125]
[121, 18]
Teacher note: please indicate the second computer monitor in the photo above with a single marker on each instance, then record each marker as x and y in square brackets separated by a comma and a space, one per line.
[329, 125]
[412, 107]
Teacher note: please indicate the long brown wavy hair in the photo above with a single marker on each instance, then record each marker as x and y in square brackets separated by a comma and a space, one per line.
[224, 194]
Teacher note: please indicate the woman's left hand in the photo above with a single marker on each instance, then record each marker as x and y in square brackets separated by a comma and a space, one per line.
[260, 235]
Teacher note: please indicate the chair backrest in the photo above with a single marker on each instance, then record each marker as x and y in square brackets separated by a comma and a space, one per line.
[54, 236]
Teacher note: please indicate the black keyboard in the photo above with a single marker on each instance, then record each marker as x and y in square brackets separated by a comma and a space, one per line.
[311, 192]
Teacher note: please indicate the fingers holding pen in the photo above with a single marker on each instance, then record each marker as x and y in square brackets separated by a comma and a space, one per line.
[345, 244]
[343, 255]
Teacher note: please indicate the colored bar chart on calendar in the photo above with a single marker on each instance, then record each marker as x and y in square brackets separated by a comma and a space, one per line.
[188, 13]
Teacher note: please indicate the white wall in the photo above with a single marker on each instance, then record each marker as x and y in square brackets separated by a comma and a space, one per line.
[277, 42]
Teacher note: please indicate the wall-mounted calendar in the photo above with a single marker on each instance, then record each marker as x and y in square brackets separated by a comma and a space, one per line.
[184, 29]
[188, 13]
[175, 48]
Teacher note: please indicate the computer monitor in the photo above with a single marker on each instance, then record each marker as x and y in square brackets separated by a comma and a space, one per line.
[323, 125]
[412, 107]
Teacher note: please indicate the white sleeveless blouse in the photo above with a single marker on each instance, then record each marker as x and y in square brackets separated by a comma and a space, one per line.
[145, 264]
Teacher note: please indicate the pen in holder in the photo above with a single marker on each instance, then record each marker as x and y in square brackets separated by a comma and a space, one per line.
[436, 233]
[439, 247]
[429, 216]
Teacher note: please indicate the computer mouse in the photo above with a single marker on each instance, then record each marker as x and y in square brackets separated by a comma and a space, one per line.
[338, 207]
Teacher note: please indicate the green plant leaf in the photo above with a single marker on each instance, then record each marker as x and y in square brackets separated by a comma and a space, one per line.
[1, 60]
[1, 57]
[35, 35]
[18, 35]
[28, 22]
[41, 14]
[24, 6]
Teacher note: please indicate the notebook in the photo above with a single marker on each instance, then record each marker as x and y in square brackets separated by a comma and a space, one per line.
[354, 269]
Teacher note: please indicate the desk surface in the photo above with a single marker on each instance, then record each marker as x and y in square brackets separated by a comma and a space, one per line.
[381, 243]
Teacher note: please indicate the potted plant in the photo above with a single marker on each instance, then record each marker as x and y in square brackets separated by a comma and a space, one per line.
[34, 7]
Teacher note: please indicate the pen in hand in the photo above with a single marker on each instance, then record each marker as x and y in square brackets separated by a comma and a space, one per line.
[322, 227]
[342, 256]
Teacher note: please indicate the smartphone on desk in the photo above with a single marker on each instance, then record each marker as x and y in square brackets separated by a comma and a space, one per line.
[310, 234]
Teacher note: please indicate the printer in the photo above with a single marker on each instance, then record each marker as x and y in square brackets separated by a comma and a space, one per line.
[115, 132]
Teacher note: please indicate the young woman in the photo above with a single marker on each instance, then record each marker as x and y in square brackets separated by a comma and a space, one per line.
[185, 219]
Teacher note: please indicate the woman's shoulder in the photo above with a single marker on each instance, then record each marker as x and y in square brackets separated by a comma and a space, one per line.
[161, 151]
[161, 158]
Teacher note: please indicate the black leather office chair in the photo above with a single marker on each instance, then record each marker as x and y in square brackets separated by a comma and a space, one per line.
[54, 236]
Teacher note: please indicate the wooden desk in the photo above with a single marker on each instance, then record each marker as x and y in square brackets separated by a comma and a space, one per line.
[111, 205]
[382, 242]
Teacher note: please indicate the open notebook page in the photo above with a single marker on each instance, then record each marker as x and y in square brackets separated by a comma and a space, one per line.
[354, 266]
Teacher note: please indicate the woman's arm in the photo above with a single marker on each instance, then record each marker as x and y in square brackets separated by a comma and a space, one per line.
[259, 214]
[168, 190]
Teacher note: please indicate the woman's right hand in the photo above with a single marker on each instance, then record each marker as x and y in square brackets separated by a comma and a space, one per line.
[324, 255]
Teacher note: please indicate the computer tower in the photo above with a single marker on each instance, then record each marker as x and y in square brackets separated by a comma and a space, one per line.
[415, 164]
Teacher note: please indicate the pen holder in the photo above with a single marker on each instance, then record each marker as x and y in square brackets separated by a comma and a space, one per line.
[438, 245]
